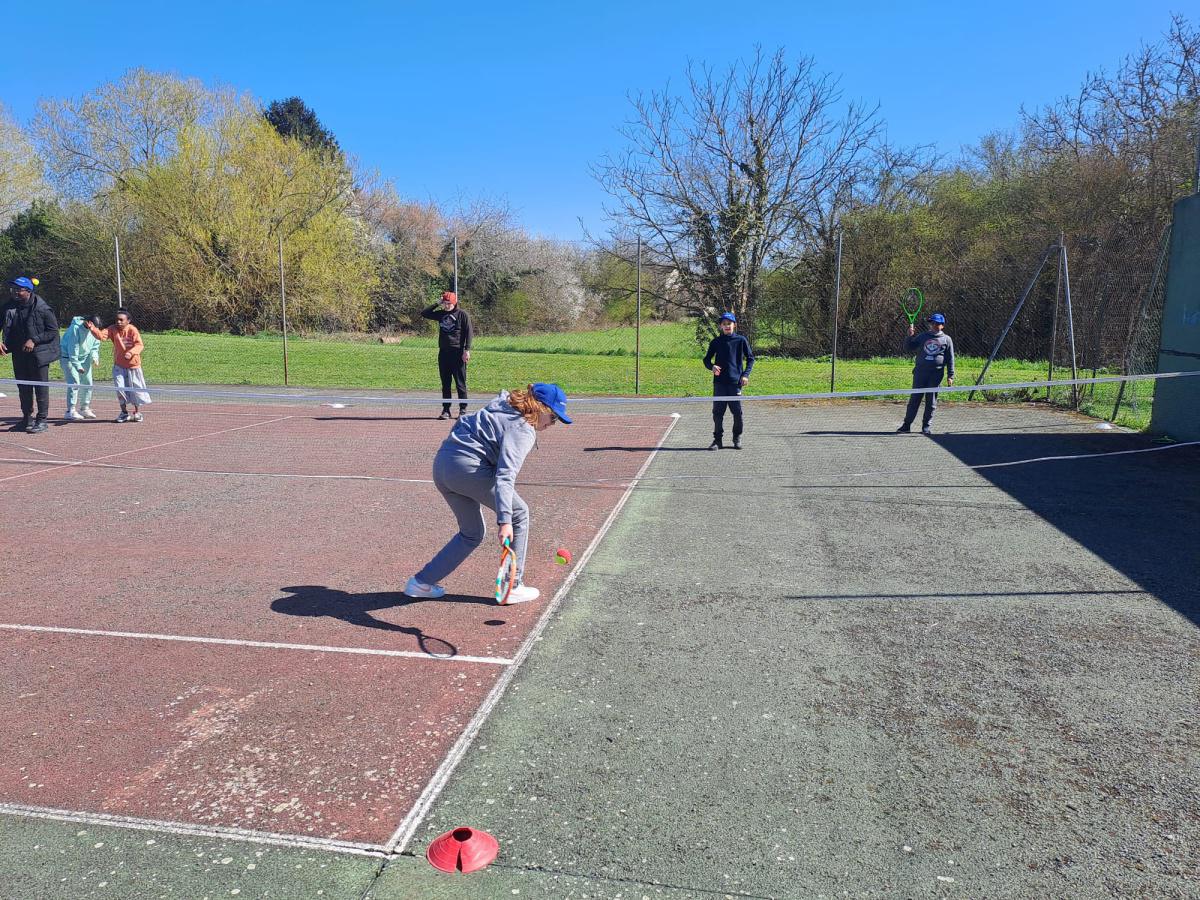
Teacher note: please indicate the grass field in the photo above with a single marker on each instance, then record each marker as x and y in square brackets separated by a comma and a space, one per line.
[587, 363]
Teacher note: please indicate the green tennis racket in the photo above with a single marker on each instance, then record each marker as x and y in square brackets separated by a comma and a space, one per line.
[913, 295]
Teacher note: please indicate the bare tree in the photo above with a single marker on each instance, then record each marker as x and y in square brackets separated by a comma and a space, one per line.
[721, 182]
[1140, 122]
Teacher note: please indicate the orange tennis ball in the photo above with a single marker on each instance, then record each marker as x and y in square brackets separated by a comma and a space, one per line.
[562, 556]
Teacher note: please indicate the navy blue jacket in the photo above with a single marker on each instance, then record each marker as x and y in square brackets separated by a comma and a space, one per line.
[733, 354]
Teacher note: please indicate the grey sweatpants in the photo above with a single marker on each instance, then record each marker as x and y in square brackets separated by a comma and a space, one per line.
[466, 485]
[924, 378]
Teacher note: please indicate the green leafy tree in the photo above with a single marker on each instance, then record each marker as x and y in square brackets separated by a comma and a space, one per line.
[293, 118]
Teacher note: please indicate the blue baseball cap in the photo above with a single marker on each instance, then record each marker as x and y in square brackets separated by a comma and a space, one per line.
[552, 395]
[22, 282]
[938, 317]
[728, 317]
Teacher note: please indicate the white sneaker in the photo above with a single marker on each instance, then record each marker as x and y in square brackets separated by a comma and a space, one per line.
[136, 417]
[73, 416]
[424, 591]
[522, 593]
[87, 413]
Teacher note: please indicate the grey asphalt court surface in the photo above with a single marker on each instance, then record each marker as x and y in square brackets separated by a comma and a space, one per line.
[840, 662]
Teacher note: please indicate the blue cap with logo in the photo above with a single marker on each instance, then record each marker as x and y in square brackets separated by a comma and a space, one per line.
[729, 317]
[938, 317]
[23, 282]
[552, 395]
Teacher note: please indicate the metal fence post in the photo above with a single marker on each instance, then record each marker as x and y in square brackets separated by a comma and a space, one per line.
[637, 332]
[283, 312]
[120, 294]
[837, 297]
[1066, 277]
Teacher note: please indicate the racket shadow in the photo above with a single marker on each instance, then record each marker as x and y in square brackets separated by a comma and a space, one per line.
[315, 601]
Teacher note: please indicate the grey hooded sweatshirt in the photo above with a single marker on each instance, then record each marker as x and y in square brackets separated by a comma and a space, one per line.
[494, 441]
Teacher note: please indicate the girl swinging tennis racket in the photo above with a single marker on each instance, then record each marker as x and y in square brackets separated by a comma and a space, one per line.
[477, 466]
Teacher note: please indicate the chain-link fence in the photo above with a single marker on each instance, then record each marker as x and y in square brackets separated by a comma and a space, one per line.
[1039, 312]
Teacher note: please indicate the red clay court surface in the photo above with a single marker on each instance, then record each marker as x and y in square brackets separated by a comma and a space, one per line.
[252, 668]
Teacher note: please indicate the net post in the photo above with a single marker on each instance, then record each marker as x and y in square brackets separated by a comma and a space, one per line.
[1012, 318]
[455, 288]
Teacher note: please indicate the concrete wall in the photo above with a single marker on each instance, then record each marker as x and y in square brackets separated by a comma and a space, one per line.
[1177, 401]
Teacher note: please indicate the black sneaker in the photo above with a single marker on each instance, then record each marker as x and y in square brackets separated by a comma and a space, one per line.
[903, 429]
[716, 444]
[927, 431]
[23, 425]
[737, 443]
[445, 414]
[37, 427]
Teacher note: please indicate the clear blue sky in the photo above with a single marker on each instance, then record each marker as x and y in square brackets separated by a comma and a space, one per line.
[514, 100]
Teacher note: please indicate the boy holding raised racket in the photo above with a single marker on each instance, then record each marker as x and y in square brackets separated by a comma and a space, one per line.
[935, 358]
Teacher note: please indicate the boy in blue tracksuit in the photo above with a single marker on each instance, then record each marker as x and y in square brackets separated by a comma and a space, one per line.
[935, 358]
[730, 359]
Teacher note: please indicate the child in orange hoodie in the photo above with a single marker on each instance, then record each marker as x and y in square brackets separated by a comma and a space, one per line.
[127, 364]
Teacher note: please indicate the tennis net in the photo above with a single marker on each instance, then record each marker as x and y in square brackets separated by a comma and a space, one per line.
[358, 435]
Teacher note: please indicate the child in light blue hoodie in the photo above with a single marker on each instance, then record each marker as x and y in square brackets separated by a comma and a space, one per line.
[477, 466]
[79, 351]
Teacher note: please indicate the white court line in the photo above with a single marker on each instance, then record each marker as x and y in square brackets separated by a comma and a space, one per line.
[266, 645]
[220, 832]
[194, 437]
[408, 826]
[23, 447]
[174, 471]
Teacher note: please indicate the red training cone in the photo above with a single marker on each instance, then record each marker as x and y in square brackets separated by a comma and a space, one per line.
[462, 850]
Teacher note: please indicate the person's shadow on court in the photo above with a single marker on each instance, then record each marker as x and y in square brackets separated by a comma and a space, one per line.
[355, 609]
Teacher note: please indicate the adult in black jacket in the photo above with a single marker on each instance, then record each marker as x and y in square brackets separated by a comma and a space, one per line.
[454, 348]
[30, 336]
